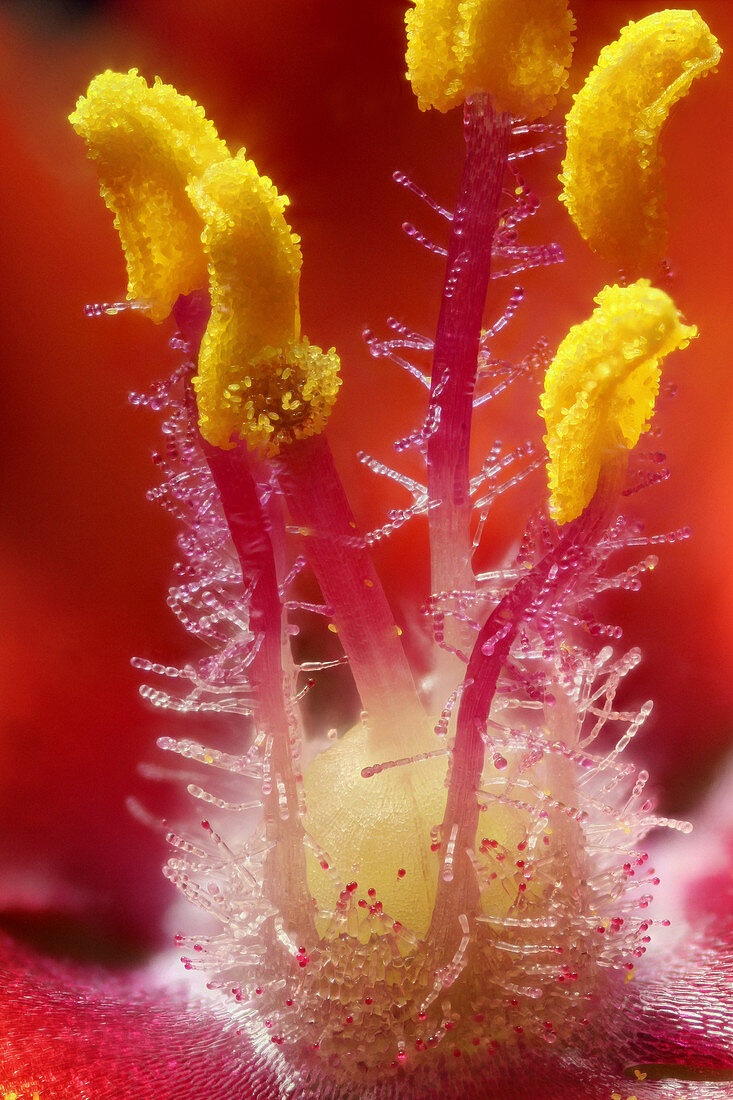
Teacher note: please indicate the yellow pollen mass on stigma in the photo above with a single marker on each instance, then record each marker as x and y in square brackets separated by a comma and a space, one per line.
[518, 51]
[601, 387]
[612, 173]
[147, 143]
[258, 379]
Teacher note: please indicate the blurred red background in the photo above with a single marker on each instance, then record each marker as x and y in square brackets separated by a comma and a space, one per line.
[318, 96]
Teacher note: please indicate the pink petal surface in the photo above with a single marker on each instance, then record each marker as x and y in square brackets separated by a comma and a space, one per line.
[70, 1036]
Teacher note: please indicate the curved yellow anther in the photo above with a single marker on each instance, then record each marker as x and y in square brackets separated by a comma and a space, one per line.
[257, 379]
[612, 173]
[519, 51]
[147, 142]
[601, 387]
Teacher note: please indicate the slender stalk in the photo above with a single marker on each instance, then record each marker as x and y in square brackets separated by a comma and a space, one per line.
[285, 874]
[468, 269]
[458, 891]
[285, 871]
[317, 503]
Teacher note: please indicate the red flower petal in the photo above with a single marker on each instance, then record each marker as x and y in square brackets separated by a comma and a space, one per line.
[67, 1037]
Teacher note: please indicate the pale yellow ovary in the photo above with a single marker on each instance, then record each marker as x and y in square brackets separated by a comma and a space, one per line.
[378, 831]
[258, 379]
[612, 174]
[601, 387]
[518, 51]
[147, 143]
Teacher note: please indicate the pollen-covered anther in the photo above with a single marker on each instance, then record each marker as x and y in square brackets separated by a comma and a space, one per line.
[612, 173]
[601, 388]
[147, 143]
[257, 380]
[518, 51]
[283, 395]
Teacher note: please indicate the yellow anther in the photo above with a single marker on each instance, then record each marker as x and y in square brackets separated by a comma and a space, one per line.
[519, 51]
[601, 387]
[612, 174]
[146, 143]
[257, 378]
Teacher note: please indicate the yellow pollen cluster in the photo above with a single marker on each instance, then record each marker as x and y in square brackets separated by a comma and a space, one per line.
[601, 387]
[146, 143]
[191, 215]
[519, 51]
[612, 173]
[257, 378]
